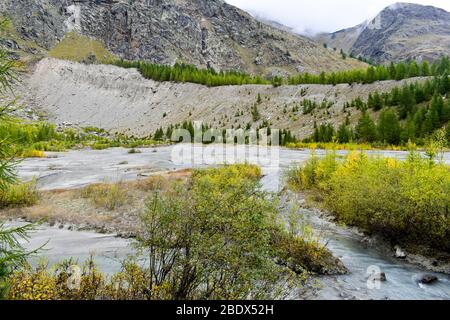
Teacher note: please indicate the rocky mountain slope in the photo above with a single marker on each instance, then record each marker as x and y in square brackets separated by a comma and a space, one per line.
[121, 101]
[400, 32]
[201, 32]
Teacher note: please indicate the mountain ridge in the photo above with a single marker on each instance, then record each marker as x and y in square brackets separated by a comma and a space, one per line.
[207, 33]
[402, 31]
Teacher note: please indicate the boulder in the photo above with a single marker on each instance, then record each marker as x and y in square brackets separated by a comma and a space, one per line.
[427, 278]
[399, 253]
[379, 276]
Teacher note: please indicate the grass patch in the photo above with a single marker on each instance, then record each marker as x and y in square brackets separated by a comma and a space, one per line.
[19, 195]
[406, 202]
[108, 196]
[79, 48]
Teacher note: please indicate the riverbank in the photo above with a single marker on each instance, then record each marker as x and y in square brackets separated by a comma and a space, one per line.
[106, 208]
[249, 227]
[399, 205]
[77, 169]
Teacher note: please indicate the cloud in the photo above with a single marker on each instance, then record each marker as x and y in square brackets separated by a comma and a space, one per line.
[307, 17]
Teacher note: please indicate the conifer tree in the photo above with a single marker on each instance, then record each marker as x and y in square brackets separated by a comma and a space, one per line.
[375, 101]
[409, 132]
[444, 84]
[437, 104]
[413, 70]
[12, 252]
[344, 135]
[425, 69]
[407, 102]
[446, 112]
[389, 127]
[431, 122]
[366, 129]
[392, 71]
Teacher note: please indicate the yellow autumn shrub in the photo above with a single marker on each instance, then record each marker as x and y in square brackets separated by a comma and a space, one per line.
[404, 201]
[30, 284]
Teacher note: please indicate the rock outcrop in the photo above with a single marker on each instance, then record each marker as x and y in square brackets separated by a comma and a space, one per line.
[202, 32]
[400, 32]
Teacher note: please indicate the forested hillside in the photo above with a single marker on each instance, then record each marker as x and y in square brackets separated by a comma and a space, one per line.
[410, 113]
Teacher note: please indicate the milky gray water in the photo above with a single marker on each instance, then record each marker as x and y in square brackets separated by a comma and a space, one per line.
[76, 169]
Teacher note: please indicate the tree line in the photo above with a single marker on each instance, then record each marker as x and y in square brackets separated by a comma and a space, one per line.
[399, 71]
[186, 73]
[183, 73]
[285, 135]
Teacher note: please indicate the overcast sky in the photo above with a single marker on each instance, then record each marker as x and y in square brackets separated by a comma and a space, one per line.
[312, 16]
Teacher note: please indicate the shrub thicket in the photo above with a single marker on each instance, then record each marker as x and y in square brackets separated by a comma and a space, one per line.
[405, 201]
[19, 195]
[108, 196]
[221, 225]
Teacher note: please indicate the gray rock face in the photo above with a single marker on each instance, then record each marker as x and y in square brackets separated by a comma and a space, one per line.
[400, 32]
[39, 21]
[202, 32]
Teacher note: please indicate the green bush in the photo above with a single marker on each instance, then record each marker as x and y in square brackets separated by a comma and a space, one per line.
[404, 201]
[213, 236]
[313, 174]
[233, 233]
[19, 195]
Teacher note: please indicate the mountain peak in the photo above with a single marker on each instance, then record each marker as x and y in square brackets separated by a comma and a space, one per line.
[401, 31]
[403, 5]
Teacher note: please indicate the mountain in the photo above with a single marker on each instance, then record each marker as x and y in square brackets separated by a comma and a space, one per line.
[272, 23]
[202, 32]
[400, 32]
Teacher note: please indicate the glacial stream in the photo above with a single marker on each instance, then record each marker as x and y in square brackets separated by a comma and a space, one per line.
[76, 169]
